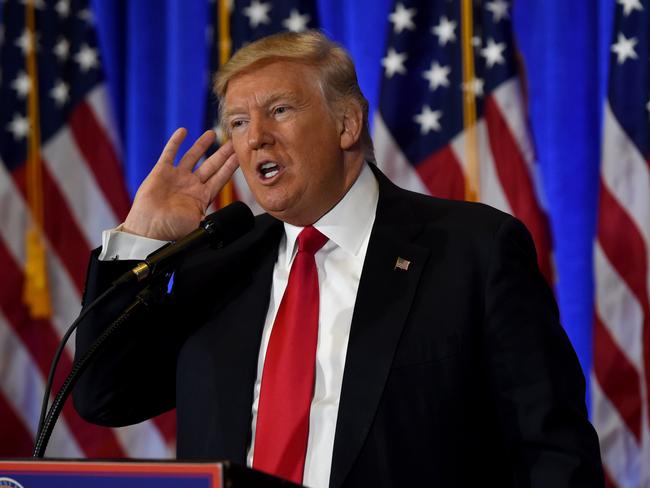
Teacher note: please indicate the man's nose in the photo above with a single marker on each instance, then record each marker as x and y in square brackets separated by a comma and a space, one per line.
[258, 133]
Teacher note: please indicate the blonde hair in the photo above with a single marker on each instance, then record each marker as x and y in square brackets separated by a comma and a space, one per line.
[335, 69]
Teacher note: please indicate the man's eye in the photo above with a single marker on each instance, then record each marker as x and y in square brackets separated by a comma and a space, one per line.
[280, 110]
[236, 123]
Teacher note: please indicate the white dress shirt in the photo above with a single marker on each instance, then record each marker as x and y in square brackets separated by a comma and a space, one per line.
[339, 263]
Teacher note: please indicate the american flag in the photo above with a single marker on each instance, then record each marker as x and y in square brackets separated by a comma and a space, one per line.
[61, 184]
[620, 379]
[451, 120]
[237, 23]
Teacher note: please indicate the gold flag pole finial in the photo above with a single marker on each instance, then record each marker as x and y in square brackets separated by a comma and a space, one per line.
[36, 293]
[472, 176]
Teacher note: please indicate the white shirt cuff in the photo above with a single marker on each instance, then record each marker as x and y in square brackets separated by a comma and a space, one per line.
[118, 245]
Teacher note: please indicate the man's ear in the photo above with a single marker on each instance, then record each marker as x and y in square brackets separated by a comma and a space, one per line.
[351, 119]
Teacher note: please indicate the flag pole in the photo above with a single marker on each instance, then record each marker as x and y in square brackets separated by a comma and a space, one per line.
[36, 290]
[469, 103]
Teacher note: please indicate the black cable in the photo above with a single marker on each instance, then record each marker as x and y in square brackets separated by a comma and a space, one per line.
[59, 352]
[144, 298]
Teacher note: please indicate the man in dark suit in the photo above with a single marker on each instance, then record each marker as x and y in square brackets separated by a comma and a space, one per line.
[439, 361]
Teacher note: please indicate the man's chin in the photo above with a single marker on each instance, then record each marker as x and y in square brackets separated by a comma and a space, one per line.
[275, 209]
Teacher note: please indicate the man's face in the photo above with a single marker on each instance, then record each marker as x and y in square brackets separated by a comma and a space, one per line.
[287, 142]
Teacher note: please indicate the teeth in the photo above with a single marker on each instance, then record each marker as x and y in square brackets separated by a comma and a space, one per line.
[267, 166]
[269, 170]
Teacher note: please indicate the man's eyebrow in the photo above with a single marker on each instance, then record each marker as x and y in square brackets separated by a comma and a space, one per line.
[274, 97]
[262, 102]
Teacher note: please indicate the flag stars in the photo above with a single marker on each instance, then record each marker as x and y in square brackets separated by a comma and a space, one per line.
[647, 107]
[499, 10]
[62, 49]
[62, 8]
[19, 127]
[630, 5]
[428, 120]
[26, 42]
[296, 22]
[475, 86]
[445, 31]
[258, 13]
[402, 18]
[624, 48]
[437, 75]
[394, 63]
[87, 16]
[60, 93]
[38, 4]
[22, 84]
[493, 53]
[87, 58]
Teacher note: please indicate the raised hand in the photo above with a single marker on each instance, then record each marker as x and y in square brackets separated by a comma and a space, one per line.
[172, 200]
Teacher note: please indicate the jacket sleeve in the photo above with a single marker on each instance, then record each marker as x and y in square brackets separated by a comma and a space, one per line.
[132, 377]
[536, 378]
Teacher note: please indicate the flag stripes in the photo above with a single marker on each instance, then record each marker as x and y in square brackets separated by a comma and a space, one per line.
[620, 451]
[620, 380]
[83, 193]
[99, 154]
[20, 380]
[517, 183]
[60, 227]
[40, 338]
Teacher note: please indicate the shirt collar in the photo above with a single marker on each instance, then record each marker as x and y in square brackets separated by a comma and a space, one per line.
[349, 222]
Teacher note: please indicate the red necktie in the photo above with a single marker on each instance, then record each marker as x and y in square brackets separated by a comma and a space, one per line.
[288, 376]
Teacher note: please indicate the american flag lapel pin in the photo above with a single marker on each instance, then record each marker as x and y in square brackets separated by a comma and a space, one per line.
[402, 264]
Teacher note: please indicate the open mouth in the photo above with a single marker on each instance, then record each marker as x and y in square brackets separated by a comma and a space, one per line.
[269, 169]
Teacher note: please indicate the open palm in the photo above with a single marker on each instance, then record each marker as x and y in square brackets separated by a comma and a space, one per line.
[172, 200]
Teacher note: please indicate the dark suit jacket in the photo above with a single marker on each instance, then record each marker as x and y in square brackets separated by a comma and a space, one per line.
[458, 372]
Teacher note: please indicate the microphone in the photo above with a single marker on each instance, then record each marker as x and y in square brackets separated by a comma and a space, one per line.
[216, 230]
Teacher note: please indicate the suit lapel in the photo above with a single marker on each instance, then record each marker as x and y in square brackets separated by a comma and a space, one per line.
[386, 290]
[237, 346]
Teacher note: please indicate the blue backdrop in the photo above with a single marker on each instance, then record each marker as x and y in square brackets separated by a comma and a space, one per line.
[155, 58]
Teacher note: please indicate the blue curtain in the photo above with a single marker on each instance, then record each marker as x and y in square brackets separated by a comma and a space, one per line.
[155, 55]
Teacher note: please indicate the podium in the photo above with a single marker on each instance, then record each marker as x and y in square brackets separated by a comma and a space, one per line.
[131, 474]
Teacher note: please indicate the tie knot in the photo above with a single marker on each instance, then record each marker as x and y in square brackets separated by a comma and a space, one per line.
[310, 240]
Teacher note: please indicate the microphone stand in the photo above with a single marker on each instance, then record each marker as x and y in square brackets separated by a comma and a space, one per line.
[150, 295]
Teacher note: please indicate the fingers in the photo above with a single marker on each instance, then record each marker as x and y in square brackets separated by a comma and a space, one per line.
[214, 163]
[171, 148]
[202, 144]
[219, 179]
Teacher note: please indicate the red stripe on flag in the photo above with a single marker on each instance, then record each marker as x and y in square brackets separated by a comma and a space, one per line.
[166, 424]
[618, 378]
[61, 228]
[40, 339]
[99, 154]
[441, 173]
[517, 184]
[15, 439]
[609, 482]
[624, 246]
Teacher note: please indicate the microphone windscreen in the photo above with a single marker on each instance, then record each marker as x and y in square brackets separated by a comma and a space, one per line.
[228, 223]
